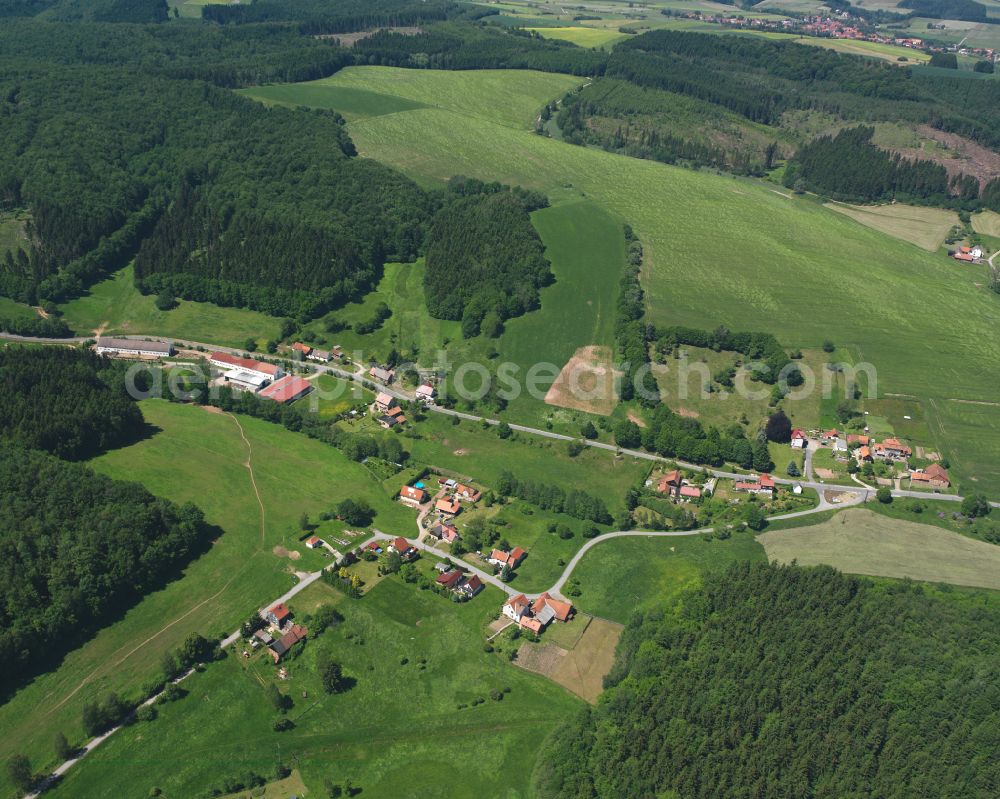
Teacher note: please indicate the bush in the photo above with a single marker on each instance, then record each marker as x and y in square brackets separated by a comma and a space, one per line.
[884, 495]
[165, 301]
[283, 725]
[145, 713]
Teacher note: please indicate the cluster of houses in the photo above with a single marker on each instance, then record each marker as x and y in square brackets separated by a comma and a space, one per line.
[451, 495]
[267, 380]
[457, 582]
[313, 354]
[282, 633]
[537, 615]
[969, 255]
[677, 487]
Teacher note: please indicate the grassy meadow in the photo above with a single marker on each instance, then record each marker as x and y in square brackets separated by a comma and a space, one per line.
[194, 455]
[620, 576]
[115, 306]
[414, 657]
[924, 227]
[582, 36]
[987, 223]
[720, 250]
[859, 541]
[12, 225]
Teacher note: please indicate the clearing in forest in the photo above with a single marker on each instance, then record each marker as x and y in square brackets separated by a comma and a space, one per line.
[586, 382]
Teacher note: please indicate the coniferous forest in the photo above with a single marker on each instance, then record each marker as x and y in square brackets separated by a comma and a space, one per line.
[791, 683]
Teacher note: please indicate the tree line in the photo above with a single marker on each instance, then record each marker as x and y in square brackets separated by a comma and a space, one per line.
[781, 681]
[575, 503]
[630, 330]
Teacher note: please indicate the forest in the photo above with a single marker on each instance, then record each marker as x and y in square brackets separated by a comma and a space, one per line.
[485, 261]
[77, 548]
[68, 402]
[848, 166]
[783, 682]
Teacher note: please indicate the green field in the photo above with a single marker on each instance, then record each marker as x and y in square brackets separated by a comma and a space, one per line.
[582, 36]
[723, 250]
[115, 306]
[987, 222]
[12, 230]
[859, 541]
[9, 309]
[925, 227]
[198, 456]
[620, 576]
[398, 732]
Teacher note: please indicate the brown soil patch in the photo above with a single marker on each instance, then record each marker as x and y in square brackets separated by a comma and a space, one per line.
[687, 412]
[826, 474]
[294, 554]
[969, 157]
[636, 419]
[586, 382]
[211, 409]
[460, 452]
[280, 551]
[350, 39]
[580, 669]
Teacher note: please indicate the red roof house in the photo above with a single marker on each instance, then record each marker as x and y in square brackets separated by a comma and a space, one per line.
[288, 389]
[449, 507]
[279, 614]
[412, 496]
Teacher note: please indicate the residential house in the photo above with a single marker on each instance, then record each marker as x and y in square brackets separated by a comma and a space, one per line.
[839, 445]
[515, 607]
[445, 532]
[381, 375]
[279, 648]
[448, 507]
[763, 485]
[449, 579]
[537, 616]
[670, 482]
[387, 422]
[830, 435]
[412, 496]
[406, 550]
[287, 389]
[425, 393]
[314, 542]
[383, 402]
[561, 611]
[799, 439]
[512, 559]
[303, 349]
[278, 615]
[472, 586]
[863, 454]
[320, 355]
[934, 476]
[854, 438]
[467, 493]
[688, 493]
[131, 346]
[892, 449]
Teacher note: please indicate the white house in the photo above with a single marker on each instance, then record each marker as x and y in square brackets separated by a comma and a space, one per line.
[131, 346]
[425, 393]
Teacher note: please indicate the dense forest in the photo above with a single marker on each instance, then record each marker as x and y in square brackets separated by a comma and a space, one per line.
[777, 681]
[485, 261]
[76, 548]
[947, 9]
[848, 166]
[69, 402]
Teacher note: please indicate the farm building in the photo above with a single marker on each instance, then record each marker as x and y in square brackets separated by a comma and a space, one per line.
[934, 476]
[669, 483]
[279, 648]
[287, 389]
[763, 485]
[314, 542]
[892, 449]
[129, 346]
[229, 363]
[411, 496]
[536, 617]
[246, 381]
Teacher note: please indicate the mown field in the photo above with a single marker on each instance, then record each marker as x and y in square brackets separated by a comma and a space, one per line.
[987, 222]
[859, 541]
[582, 36]
[623, 575]
[414, 657]
[723, 250]
[198, 456]
[115, 306]
[924, 227]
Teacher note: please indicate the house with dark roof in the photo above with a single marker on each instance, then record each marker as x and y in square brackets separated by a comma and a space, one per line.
[449, 579]
[445, 532]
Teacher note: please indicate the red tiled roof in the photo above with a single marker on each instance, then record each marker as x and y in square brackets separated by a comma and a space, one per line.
[766, 481]
[515, 555]
[449, 579]
[288, 388]
[515, 601]
[313, 540]
[797, 433]
[690, 491]
[305, 349]
[498, 554]
[864, 452]
[409, 492]
[448, 506]
[560, 608]
[383, 399]
[473, 583]
[401, 545]
[245, 363]
[532, 624]
[279, 611]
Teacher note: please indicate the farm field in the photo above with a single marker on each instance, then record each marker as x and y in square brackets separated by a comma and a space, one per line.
[968, 435]
[116, 306]
[859, 541]
[417, 662]
[623, 575]
[987, 223]
[723, 250]
[582, 36]
[923, 226]
[197, 456]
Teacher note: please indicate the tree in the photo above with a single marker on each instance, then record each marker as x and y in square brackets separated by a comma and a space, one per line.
[505, 573]
[975, 505]
[304, 522]
[944, 60]
[281, 702]
[62, 748]
[356, 512]
[627, 434]
[503, 430]
[984, 66]
[761, 457]
[588, 431]
[828, 346]
[250, 345]
[19, 772]
[884, 495]
[165, 301]
[779, 428]
[754, 516]
[391, 562]
[331, 673]
[793, 469]
[574, 448]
